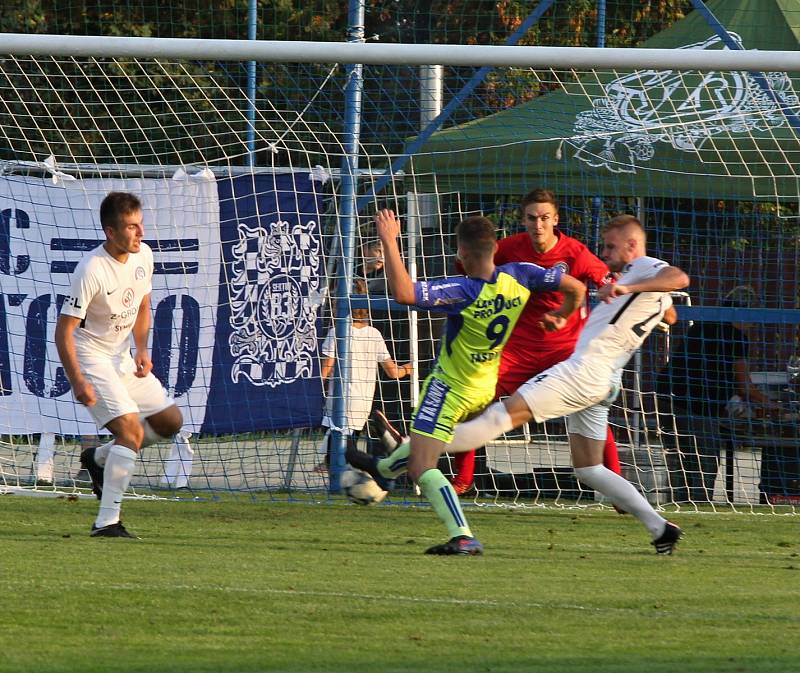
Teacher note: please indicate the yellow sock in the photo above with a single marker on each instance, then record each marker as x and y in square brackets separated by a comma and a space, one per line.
[395, 463]
[444, 500]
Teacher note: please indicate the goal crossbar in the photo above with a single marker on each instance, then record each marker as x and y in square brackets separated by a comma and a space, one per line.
[397, 54]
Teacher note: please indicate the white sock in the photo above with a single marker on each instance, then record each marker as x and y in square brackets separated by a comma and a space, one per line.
[624, 494]
[116, 477]
[178, 467]
[322, 449]
[186, 453]
[151, 436]
[45, 456]
[493, 422]
[101, 452]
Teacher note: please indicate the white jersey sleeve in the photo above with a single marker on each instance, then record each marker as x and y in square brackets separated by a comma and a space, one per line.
[83, 288]
[616, 329]
[640, 269]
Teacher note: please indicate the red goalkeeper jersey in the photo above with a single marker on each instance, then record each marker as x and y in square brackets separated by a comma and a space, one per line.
[572, 257]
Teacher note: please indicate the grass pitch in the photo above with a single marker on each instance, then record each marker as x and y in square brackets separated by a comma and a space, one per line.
[240, 586]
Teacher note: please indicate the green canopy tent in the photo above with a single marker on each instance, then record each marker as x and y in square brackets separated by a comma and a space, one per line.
[647, 132]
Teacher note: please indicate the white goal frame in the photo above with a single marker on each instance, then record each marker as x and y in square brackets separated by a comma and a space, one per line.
[570, 59]
[577, 58]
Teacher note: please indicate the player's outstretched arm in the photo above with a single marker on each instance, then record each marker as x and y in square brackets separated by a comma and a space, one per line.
[668, 279]
[400, 283]
[397, 371]
[574, 293]
[326, 368]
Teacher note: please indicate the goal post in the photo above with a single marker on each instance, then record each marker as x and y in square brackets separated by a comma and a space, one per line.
[566, 58]
[245, 220]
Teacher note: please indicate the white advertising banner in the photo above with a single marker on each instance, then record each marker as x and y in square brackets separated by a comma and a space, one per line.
[46, 226]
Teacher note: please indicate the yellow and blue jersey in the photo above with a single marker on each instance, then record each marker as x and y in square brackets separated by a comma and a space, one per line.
[481, 315]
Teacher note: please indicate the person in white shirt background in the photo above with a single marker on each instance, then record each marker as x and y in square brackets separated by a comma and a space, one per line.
[367, 351]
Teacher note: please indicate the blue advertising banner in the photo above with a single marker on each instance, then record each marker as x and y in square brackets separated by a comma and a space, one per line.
[236, 293]
[265, 368]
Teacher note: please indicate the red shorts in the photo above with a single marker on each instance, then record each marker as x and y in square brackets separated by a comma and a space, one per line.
[516, 369]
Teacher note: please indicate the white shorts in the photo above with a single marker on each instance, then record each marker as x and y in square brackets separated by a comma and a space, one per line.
[571, 388]
[119, 392]
[591, 422]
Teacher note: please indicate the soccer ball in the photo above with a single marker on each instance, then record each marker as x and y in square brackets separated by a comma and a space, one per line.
[360, 488]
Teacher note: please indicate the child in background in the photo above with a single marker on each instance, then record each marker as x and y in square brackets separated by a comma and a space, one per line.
[367, 351]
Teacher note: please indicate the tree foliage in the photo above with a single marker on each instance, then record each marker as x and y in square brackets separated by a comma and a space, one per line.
[159, 115]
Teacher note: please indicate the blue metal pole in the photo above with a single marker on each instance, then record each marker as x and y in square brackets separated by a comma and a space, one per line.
[348, 222]
[252, 24]
[597, 212]
[759, 77]
[601, 23]
[460, 97]
[597, 202]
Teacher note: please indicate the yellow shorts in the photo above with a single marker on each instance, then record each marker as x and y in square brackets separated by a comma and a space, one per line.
[442, 406]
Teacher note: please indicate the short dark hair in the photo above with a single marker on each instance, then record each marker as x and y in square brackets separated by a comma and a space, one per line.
[539, 196]
[115, 205]
[477, 234]
[622, 222]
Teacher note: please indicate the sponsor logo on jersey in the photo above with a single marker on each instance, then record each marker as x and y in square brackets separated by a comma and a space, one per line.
[124, 314]
[431, 406]
[425, 294]
[487, 356]
[493, 305]
[128, 297]
[550, 274]
[444, 301]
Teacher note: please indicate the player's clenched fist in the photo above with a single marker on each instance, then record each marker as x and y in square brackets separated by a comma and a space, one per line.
[607, 292]
[143, 364]
[84, 393]
[552, 321]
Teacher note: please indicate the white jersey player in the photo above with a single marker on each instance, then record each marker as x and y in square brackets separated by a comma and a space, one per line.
[583, 386]
[108, 303]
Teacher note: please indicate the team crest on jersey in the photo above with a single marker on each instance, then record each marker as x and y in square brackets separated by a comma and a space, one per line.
[274, 297]
[561, 266]
[127, 298]
[139, 273]
[646, 108]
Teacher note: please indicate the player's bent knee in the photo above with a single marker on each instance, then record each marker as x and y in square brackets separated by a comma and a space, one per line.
[128, 431]
[167, 422]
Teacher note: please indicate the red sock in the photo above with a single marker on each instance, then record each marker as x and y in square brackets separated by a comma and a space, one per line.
[465, 468]
[610, 455]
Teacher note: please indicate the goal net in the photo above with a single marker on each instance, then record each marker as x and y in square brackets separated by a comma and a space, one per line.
[259, 213]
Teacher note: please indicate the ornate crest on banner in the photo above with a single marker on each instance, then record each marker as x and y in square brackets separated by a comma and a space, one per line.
[274, 297]
[682, 109]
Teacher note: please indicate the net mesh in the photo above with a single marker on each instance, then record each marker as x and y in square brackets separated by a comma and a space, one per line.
[706, 159]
